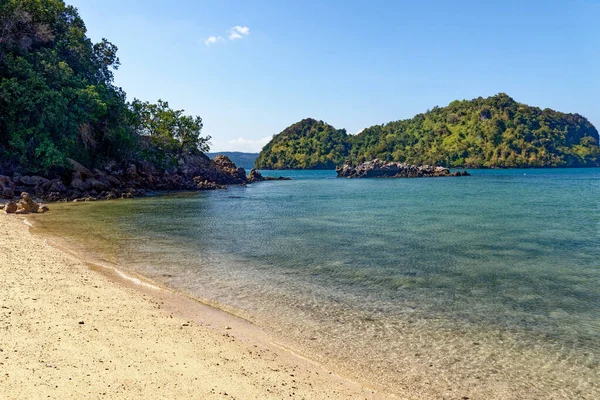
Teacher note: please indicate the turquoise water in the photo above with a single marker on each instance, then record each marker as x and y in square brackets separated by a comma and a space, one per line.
[488, 285]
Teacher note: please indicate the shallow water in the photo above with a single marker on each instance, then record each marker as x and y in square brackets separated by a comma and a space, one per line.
[484, 286]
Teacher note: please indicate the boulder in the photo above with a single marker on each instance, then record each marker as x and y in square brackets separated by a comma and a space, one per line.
[255, 176]
[236, 175]
[56, 185]
[97, 184]
[10, 207]
[113, 180]
[84, 173]
[26, 204]
[7, 187]
[80, 185]
[131, 170]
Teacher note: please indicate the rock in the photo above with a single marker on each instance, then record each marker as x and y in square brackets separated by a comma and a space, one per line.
[80, 185]
[84, 173]
[237, 175]
[54, 196]
[128, 195]
[113, 181]
[26, 204]
[255, 176]
[32, 180]
[131, 170]
[206, 185]
[7, 193]
[7, 187]
[381, 169]
[96, 184]
[56, 185]
[10, 207]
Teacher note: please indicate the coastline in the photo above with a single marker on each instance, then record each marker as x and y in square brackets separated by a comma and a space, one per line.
[70, 330]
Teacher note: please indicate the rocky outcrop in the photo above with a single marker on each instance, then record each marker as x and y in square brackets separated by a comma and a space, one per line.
[381, 169]
[25, 206]
[190, 171]
[234, 174]
[255, 176]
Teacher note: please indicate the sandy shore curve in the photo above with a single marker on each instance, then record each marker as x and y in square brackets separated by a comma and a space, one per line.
[69, 331]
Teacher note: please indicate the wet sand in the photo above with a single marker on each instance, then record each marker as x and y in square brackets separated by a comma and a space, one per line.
[71, 330]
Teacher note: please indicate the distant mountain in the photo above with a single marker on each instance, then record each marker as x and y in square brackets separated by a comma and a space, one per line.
[244, 160]
[308, 144]
[493, 132]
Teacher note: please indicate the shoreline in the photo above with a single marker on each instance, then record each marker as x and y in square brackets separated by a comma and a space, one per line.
[254, 367]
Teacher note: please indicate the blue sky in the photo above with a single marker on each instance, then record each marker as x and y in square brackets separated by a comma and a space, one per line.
[350, 63]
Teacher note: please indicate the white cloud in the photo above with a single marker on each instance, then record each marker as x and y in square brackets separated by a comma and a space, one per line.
[213, 40]
[244, 30]
[235, 33]
[238, 32]
[240, 144]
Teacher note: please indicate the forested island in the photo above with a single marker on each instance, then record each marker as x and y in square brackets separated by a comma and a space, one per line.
[495, 132]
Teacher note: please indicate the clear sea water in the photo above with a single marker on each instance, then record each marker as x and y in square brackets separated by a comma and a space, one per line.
[485, 286]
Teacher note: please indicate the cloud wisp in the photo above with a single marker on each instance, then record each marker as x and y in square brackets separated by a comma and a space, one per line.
[235, 33]
[238, 32]
[212, 40]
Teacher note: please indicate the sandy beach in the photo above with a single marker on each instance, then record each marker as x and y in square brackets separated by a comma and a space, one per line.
[69, 330]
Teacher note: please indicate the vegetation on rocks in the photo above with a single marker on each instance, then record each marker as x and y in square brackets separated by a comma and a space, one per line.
[492, 132]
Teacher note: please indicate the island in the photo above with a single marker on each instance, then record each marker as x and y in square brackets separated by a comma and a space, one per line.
[493, 132]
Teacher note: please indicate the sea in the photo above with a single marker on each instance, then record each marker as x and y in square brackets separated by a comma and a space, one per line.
[479, 287]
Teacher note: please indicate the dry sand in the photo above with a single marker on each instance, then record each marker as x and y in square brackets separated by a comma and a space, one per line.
[70, 331]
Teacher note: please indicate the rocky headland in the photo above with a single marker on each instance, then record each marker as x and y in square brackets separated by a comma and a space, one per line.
[194, 171]
[382, 169]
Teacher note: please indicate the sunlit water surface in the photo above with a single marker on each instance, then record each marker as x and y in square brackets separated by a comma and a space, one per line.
[485, 286]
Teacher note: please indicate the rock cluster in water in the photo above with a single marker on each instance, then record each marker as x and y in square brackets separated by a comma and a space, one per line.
[256, 176]
[114, 181]
[382, 169]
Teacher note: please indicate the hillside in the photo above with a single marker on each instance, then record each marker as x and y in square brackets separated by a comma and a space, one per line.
[308, 144]
[58, 100]
[244, 160]
[493, 132]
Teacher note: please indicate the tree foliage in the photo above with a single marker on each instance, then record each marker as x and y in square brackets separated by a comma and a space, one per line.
[58, 100]
[492, 132]
[308, 144]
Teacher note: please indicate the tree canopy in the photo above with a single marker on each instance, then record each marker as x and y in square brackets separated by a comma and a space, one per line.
[308, 144]
[58, 99]
[492, 132]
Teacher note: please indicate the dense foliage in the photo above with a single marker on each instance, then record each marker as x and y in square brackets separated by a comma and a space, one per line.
[58, 101]
[308, 144]
[492, 132]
